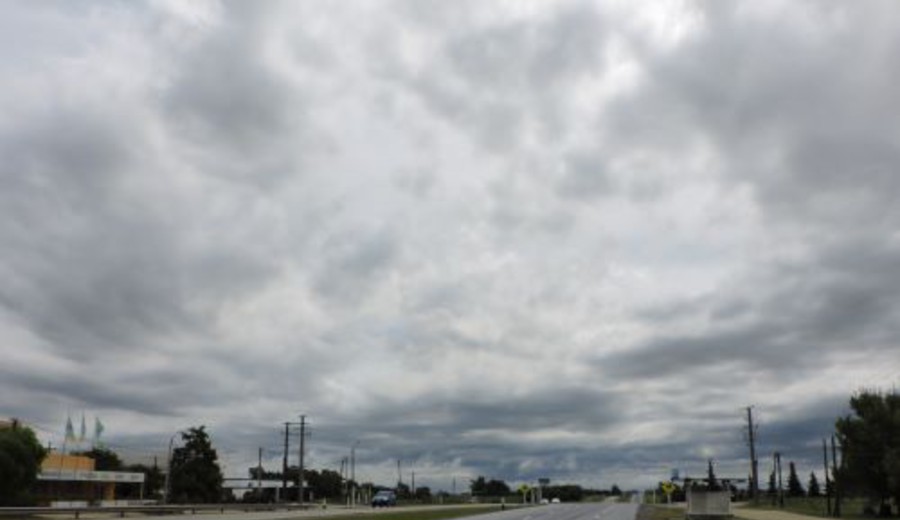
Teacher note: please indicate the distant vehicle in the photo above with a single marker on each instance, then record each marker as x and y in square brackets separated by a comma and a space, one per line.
[555, 501]
[384, 498]
[544, 501]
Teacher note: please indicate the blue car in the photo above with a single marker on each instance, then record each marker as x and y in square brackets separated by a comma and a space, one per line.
[384, 498]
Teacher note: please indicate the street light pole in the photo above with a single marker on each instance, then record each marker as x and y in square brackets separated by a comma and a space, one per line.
[353, 472]
[169, 469]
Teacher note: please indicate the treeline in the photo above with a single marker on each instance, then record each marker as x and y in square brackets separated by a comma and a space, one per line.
[493, 488]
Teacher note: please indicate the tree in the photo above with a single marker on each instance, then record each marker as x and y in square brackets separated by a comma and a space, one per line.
[615, 491]
[195, 473]
[795, 488]
[871, 447]
[423, 493]
[496, 488]
[711, 480]
[565, 492]
[325, 483]
[20, 460]
[813, 489]
[477, 486]
[104, 459]
[773, 486]
[154, 480]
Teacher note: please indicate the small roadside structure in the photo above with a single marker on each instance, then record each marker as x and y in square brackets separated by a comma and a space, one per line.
[704, 503]
[708, 498]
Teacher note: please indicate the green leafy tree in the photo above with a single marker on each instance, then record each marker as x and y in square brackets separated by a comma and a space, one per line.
[565, 492]
[325, 483]
[423, 493]
[496, 488]
[478, 486]
[795, 488]
[403, 490]
[20, 460]
[195, 473]
[154, 481]
[870, 441]
[813, 488]
[615, 491]
[104, 459]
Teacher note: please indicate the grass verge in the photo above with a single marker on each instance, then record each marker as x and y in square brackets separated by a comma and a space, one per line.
[439, 514]
[814, 506]
[651, 512]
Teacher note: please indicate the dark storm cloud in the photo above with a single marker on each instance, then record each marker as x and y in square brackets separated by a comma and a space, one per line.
[840, 301]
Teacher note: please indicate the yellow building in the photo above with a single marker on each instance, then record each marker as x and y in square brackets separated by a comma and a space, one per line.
[72, 480]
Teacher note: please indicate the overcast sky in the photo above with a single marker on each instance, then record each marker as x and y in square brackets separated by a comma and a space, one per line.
[568, 240]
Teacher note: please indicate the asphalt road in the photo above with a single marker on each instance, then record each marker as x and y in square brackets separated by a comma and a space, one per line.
[595, 511]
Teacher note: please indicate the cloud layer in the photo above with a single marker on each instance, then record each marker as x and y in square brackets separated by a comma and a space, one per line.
[509, 239]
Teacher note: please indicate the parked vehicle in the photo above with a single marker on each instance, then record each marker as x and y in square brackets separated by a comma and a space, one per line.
[384, 498]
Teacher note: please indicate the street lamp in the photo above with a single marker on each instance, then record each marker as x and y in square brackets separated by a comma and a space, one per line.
[169, 469]
[353, 473]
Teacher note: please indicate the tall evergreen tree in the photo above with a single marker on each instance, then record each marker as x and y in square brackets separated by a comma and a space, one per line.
[795, 488]
[711, 479]
[195, 473]
[813, 489]
[773, 487]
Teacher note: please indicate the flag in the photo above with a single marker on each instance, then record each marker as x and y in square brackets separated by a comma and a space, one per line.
[70, 430]
[98, 430]
[83, 430]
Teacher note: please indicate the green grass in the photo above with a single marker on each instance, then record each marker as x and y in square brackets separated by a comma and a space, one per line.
[654, 512]
[850, 507]
[437, 514]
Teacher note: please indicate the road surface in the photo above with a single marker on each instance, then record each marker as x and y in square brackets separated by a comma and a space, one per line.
[587, 511]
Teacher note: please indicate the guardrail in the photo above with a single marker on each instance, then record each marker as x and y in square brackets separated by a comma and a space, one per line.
[121, 511]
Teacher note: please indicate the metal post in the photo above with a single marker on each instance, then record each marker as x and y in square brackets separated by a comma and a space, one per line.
[353, 474]
[284, 464]
[827, 481]
[754, 485]
[168, 483]
[300, 477]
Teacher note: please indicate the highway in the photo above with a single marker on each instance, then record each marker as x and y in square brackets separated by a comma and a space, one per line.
[584, 511]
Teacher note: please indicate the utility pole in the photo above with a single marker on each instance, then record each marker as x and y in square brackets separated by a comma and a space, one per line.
[259, 474]
[284, 464]
[287, 450]
[454, 486]
[343, 479]
[413, 488]
[754, 466]
[399, 476]
[837, 486]
[827, 481]
[300, 483]
[353, 473]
